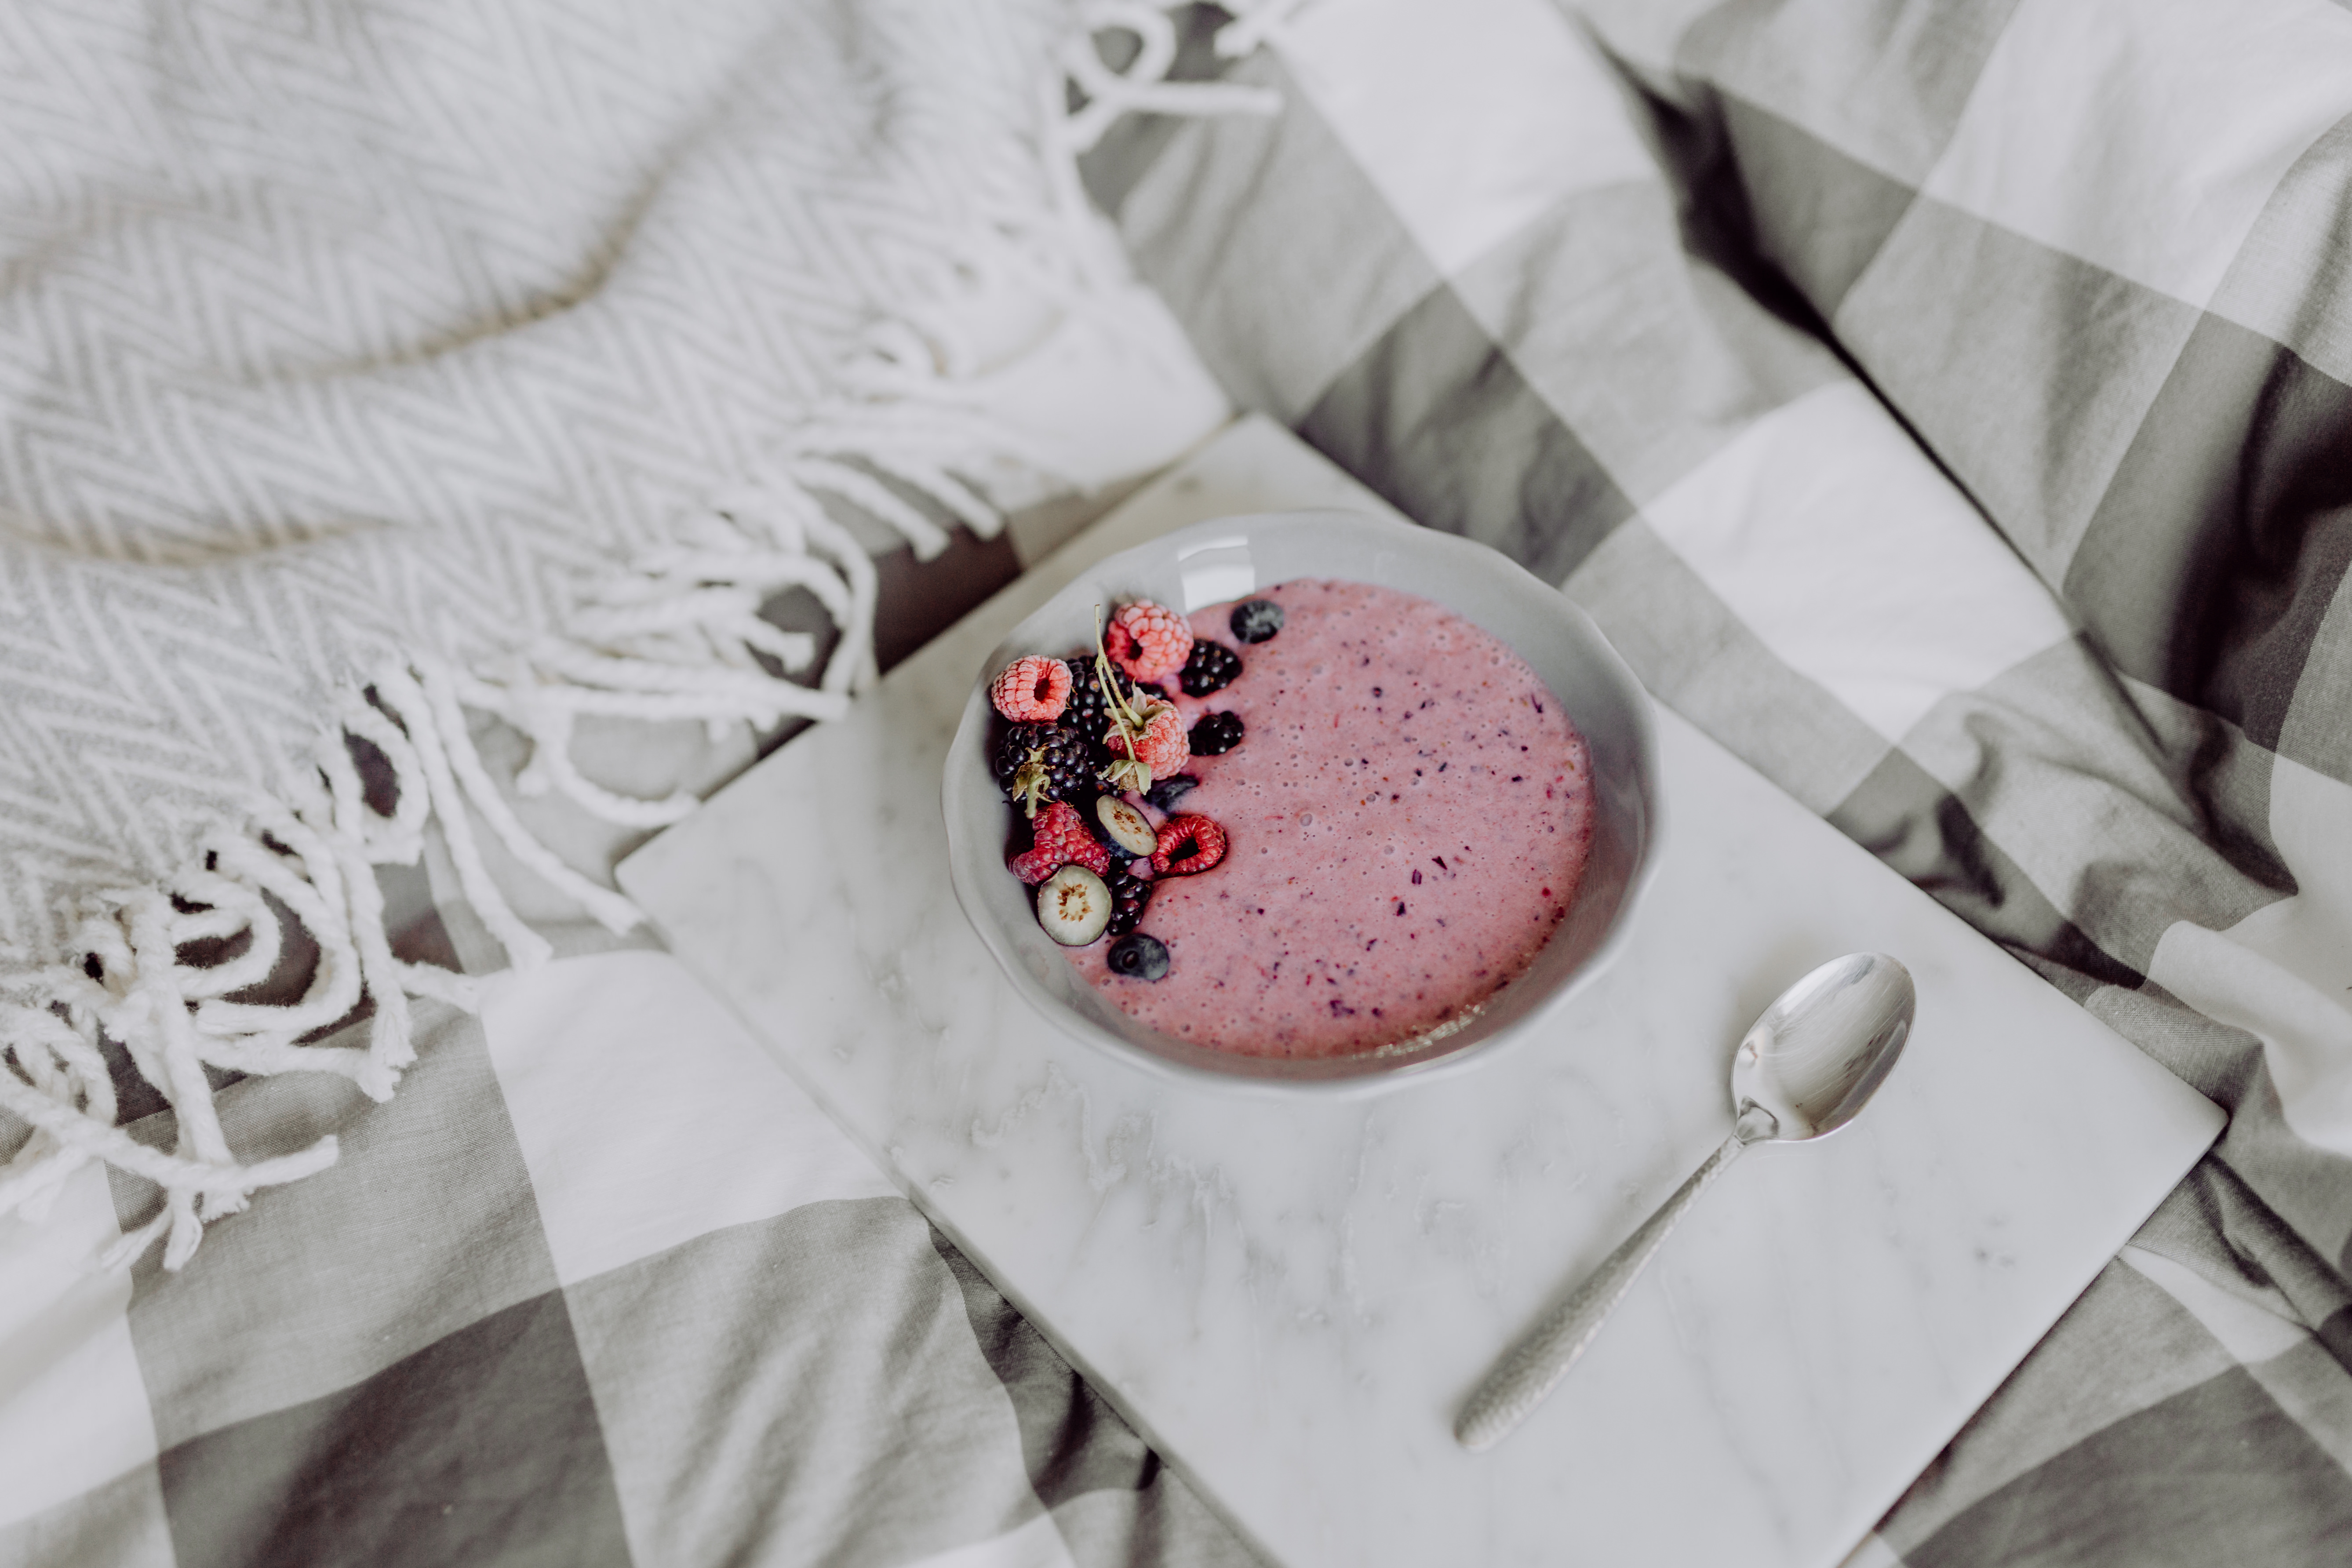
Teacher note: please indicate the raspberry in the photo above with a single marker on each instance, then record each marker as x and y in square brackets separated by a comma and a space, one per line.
[1206, 838]
[1163, 750]
[1032, 691]
[1089, 709]
[1062, 840]
[1146, 640]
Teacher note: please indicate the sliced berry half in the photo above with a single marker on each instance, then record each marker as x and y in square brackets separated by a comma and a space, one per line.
[1127, 828]
[1257, 620]
[1074, 906]
[1139, 957]
[1119, 855]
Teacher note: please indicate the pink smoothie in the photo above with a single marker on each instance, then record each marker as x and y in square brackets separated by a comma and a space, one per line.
[1407, 817]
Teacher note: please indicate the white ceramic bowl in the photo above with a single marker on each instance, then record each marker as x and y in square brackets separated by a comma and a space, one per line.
[1232, 558]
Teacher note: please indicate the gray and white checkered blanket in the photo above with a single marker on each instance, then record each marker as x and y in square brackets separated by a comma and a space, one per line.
[1944, 404]
[1949, 407]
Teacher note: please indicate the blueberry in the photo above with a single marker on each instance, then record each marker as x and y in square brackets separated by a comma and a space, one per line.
[1216, 734]
[1168, 791]
[1139, 957]
[1257, 620]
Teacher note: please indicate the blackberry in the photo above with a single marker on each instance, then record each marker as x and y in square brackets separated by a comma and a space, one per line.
[1013, 746]
[1168, 791]
[1084, 709]
[1139, 957]
[1038, 762]
[1211, 666]
[1128, 897]
[1216, 734]
[1257, 620]
[1086, 712]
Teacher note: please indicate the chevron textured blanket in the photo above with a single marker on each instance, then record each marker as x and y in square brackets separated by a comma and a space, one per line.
[370, 369]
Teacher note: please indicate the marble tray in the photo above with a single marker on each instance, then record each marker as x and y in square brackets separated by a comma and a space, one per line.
[1292, 1300]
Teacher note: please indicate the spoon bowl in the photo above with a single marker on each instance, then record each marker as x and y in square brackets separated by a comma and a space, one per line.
[1802, 1071]
[1820, 1051]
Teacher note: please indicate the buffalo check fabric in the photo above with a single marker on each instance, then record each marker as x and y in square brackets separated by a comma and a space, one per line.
[602, 1286]
[1949, 407]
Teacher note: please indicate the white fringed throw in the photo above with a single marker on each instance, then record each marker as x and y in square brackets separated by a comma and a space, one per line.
[363, 362]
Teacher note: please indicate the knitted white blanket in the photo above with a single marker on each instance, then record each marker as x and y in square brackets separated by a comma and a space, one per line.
[362, 362]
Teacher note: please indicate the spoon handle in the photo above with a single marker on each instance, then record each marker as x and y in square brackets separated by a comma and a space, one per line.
[1521, 1379]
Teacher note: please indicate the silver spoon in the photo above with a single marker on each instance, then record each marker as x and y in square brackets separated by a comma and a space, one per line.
[1805, 1068]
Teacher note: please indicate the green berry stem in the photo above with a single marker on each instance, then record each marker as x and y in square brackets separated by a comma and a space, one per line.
[1029, 787]
[1131, 721]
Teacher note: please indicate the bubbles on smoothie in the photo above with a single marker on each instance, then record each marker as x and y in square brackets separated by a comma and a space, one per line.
[1391, 802]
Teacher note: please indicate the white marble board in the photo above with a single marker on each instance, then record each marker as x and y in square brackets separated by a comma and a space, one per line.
[1291, 1299]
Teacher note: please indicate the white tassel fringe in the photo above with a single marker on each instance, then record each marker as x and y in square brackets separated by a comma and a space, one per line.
[674, 634]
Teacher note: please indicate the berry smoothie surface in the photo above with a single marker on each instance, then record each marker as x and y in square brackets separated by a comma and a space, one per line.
[1408, 816]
